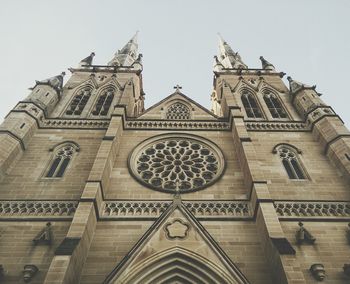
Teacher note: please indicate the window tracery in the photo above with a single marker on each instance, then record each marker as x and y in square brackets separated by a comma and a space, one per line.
[79, 102]
[291, 162]
[274, 105]
[104, 102]
[61, 159]
[176, 163]
[251, 106]
[178, 111]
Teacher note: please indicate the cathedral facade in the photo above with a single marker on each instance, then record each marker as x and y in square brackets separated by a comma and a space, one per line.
[94, 188]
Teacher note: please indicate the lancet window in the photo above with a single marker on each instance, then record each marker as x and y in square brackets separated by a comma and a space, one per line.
[291, 162]
[104, 102]
[274, 105]
[79, 102]
[61, 158]
[178, 111]
[251, 106]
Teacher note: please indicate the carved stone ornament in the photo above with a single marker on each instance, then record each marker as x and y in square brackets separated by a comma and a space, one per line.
[176, 229]
[176, 163]
[346, 269]
[29, 271]
[318, 271]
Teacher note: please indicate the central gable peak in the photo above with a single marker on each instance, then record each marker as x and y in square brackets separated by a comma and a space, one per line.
[177, 106]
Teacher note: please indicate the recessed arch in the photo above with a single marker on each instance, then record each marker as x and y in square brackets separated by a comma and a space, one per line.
[274, 103]
[250, 103]
[62, 154]
[177, 263]
[79, 100]
[104, 100]
[291, 161]
[178, 110]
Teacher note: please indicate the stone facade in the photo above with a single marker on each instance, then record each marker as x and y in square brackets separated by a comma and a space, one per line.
[96, 189]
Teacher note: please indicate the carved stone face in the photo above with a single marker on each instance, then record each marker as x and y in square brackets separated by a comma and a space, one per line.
[176, 163]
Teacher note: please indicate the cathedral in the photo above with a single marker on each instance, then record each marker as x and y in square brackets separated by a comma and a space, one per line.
[94, 188]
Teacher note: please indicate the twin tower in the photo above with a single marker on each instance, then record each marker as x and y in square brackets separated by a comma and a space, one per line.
[94, 188]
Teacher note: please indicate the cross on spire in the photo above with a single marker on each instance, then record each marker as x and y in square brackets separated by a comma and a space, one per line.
[177, 87]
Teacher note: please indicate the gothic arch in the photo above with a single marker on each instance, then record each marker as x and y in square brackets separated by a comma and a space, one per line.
[104, 100]
[178, 110]
[62, 155]
[250, 103]
[180, 264]
[274, 104]
[79, 100]
[291, 161]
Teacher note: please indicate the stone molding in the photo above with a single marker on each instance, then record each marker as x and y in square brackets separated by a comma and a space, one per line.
[74, 123]
[297, 210]
[131, 209]
[201, 209]
[37, 209]
[182, 125]
[276, 126]
[219, 209]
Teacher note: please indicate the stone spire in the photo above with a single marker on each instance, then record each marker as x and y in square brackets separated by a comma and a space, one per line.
[227, 57]
[127, 55]
[295, 86]
[55, 82]
[87, 61]
[266, 65]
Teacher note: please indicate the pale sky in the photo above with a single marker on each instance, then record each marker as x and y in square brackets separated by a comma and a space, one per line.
[309, 40]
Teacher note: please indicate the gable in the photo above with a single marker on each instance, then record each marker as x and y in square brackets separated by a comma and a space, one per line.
[176, 247]
[182, 107]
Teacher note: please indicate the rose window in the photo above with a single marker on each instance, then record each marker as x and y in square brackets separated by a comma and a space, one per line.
[177, 164]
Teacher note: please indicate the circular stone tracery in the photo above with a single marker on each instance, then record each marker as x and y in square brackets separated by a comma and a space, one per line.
[176, 164]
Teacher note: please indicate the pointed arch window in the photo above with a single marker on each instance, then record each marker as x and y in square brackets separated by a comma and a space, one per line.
[79, 102]
[61, 158]
[104, 102]
[274, 105]
[251, 106]
[291, 162]
[178, 111]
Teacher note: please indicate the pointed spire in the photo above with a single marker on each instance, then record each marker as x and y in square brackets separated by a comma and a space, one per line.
[266, 65]
[227, 57]
[87, 61]
[128, 54]
[295, 86]
[55, 82]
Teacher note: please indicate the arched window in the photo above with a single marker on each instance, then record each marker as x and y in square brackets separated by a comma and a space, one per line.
[275, 107]
[291, 162]
[61, 158]
[178, 111]
[250, 105]
[79, 101]
[104, 102]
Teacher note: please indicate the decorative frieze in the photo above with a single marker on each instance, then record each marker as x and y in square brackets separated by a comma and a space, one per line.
[276, 126]
[286, 209]
[132, 209]
[219, 209]
[33, 209]
[74, 123]
[184, 125]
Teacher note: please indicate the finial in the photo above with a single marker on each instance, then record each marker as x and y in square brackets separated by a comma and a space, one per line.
[87, 61]
[265, 64]
[289, 78]
[178, 88]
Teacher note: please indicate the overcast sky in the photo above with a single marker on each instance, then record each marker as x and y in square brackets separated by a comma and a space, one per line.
[309, 40]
